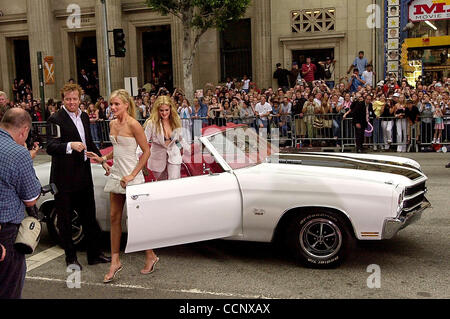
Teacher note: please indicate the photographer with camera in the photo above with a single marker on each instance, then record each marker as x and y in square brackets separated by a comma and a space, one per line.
[355, 82]
[19, 188]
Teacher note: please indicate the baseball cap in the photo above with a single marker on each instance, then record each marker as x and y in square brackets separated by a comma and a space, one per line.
[396, 95]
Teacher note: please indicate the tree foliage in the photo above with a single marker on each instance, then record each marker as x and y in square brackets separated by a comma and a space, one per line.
[206, 13]
[197, 16]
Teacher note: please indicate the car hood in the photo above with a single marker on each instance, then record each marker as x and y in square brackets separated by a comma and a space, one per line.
[389, 170]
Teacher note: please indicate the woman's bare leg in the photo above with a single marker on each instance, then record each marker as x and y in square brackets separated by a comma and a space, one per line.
[150, 259]
[117, 203]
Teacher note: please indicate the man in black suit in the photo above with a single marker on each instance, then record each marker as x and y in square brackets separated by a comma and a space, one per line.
[71, 172]
[359, 112]
[85, 82]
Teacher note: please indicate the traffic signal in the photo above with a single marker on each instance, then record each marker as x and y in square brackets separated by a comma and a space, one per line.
[119, 43]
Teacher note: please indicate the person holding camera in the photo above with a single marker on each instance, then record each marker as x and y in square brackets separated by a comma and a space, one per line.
[329, 66]
[19, 188]
[355, 82]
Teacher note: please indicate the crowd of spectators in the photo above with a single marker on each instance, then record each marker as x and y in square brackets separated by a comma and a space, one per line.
[22, 98]
[308, 106]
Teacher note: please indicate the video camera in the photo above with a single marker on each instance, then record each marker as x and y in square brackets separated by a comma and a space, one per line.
[40, 132]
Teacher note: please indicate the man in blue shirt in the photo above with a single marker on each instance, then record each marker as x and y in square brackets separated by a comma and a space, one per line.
[19, 187]
[355, 82]
[360, 62]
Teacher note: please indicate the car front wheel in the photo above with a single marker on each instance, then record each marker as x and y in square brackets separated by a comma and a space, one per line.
[78, 234]
[320, 240]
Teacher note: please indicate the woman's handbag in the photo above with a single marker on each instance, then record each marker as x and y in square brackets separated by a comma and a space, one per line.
[318, 123]
[328, 123]
[368, 131]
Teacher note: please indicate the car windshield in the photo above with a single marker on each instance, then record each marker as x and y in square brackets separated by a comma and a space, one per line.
[242, 147]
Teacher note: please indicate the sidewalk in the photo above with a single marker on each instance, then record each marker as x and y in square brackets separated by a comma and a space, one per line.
[41, 158]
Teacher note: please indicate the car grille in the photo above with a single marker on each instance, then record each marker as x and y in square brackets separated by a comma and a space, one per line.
[414, 189]
[414, 196]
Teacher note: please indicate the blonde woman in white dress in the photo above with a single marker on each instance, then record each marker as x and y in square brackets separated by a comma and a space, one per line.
[126, 135]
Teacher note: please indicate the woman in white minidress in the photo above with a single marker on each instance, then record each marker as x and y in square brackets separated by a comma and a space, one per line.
[126, 135]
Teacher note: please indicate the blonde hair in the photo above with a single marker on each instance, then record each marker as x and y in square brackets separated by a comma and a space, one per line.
[155, 117]
[88, 109]
[71, 87]
[125, 97]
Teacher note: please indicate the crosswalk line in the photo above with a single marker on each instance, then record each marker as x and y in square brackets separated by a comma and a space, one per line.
[43, 257]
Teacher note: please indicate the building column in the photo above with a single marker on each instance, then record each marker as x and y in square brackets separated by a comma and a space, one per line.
[114, 15]
[177, 54]
[40, 31]
[262, 50]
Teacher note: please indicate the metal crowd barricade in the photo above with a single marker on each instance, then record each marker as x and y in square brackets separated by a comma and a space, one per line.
[321, 130]
[103, 131]
[417, 136]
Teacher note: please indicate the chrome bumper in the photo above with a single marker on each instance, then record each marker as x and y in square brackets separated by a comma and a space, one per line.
[393, 225]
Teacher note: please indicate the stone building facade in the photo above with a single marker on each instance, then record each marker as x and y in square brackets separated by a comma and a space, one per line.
[281, 31]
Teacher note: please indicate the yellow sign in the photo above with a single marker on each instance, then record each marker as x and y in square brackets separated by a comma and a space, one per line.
[49, 70]
[428, 42]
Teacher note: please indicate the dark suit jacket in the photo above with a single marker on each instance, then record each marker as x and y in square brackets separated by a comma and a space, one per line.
[359, 113]
[70, 172]
[84, 83]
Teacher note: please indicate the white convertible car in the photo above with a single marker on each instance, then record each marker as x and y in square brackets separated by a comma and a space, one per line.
[238, 186]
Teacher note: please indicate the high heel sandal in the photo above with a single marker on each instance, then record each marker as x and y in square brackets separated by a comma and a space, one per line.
[151, 269]
[105, 281]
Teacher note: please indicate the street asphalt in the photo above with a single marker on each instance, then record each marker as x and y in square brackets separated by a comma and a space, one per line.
[414, 264]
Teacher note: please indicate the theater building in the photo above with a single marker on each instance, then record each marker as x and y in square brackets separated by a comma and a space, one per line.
[425, 37]
[69, 35]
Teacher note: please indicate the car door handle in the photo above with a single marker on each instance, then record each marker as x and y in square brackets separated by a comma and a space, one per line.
[135, 197]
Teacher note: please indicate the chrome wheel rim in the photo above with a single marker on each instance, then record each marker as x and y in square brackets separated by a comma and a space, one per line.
[320, 238]
[77, 228]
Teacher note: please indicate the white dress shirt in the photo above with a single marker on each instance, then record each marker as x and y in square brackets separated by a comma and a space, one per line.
[79, 124]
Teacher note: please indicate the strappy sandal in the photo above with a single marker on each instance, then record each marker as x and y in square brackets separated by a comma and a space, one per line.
[105, 281]
[152, 269]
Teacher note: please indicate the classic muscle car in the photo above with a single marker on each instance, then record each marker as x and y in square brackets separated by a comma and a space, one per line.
[237, 186]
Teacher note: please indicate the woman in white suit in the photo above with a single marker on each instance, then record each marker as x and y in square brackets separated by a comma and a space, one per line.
[164, 130]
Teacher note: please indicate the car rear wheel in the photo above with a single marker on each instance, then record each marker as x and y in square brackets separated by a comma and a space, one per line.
[78, 234]
[320, 239]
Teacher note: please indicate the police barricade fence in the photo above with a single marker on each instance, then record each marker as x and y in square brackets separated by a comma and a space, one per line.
[391, 133]
[321, 130]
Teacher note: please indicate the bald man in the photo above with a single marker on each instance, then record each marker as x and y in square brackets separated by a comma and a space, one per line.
[19, 188]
